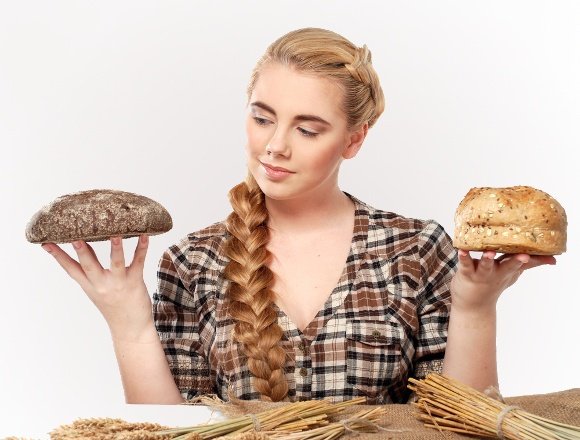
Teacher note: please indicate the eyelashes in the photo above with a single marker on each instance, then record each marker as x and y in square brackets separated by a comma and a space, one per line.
[307, 133]
[264, 122]
[260, 121]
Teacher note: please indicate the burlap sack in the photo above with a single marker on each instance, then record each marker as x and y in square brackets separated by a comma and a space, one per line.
[563, 406]
[401, 421]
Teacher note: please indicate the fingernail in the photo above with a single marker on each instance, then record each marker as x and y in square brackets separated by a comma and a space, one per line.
[116, 240]
[144, 239]
[46, 247]
[77, 244]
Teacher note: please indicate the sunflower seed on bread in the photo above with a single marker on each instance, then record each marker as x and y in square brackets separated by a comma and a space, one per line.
[517, 219]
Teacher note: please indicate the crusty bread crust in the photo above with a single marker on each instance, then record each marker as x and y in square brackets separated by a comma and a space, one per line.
[97, 215]
[518, 219]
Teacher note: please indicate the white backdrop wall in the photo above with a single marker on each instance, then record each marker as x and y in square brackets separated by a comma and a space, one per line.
[149, 97]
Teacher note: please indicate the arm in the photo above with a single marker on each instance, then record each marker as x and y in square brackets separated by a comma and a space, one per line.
[121, 296]
[470, 356]
[170, 356]
[145, 374]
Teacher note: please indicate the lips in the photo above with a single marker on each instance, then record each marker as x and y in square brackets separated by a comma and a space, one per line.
[273, 168]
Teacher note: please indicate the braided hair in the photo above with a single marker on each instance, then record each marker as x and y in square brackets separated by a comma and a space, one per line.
[250, 295]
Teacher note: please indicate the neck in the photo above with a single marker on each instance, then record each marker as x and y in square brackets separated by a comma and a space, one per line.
[309, 213]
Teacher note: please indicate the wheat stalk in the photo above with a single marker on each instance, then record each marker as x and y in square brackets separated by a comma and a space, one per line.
[308, 420]
[449, 405]
[364, 421]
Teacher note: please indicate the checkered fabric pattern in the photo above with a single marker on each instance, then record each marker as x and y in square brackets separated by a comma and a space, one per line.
[385, 321]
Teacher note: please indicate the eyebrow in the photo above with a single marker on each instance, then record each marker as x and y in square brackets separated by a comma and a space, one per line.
[296, 118]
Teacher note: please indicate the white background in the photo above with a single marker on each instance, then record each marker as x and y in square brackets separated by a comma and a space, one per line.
[149, 97]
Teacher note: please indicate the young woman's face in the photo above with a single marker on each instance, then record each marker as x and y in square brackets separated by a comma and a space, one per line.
[297, 133]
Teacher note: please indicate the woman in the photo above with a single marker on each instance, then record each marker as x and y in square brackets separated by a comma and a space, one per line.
[251, 307]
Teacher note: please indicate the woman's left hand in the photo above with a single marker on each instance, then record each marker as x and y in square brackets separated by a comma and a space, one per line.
[478, 283]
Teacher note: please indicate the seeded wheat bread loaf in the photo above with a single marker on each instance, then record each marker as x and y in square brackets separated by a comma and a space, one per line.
[97, 215]
[518, 219]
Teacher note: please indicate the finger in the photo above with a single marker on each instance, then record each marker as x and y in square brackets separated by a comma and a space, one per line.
[513, 264]
[486, 263]
[90, 248]
[88, 261]
[524, 258]
[117, 257]
[539, 260]
[140, 254]
[466, 265]
[92, 251]
[71, 266]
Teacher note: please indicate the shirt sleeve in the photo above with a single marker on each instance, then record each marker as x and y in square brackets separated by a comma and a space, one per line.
[178, 325]
[438, 260]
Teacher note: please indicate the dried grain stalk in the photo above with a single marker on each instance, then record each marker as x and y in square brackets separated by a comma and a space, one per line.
[449, 405]
[309, 420]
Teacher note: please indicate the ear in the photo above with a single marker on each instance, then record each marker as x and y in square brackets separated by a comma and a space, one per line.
[355, 141]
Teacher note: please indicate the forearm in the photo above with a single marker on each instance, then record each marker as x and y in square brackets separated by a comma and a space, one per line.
[470, 355]
[145, 374]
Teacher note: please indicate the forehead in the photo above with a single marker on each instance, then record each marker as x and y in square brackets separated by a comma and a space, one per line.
[292, 92]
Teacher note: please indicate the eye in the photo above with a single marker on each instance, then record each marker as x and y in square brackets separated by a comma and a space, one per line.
[307, 133]
[260, 121]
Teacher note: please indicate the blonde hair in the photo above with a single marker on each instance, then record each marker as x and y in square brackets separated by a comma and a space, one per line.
[250, 295]
[330, 55]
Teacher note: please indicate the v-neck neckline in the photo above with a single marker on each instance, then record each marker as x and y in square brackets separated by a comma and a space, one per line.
[343, 287]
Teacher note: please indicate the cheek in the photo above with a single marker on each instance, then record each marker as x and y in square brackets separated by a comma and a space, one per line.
[327, 156]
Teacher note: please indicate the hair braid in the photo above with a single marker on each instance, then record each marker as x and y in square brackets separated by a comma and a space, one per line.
[250, 296]
[249, 292]
[330, 55]
[356, 67]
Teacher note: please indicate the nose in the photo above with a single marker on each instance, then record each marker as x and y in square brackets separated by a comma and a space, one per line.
[278, 144]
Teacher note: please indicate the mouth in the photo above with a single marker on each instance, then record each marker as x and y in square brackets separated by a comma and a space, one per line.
[274, 173]
[276, 169]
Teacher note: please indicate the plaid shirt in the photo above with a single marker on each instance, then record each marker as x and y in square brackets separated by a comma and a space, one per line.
[385, 321]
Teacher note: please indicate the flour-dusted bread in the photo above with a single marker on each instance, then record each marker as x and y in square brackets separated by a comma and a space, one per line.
[97, 215]
[518, 219]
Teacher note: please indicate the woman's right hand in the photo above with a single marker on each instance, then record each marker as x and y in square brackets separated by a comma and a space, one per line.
[119, 292]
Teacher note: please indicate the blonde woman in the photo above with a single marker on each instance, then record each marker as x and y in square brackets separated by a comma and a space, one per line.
[304, 291]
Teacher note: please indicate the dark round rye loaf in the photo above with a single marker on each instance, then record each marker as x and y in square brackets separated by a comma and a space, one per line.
[97, 215]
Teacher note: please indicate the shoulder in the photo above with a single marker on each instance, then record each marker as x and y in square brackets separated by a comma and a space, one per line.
[391, 234]
[204, 246]
[198, 251]
[420, 247]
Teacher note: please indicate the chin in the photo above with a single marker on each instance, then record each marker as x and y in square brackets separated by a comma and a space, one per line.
[276, 191]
